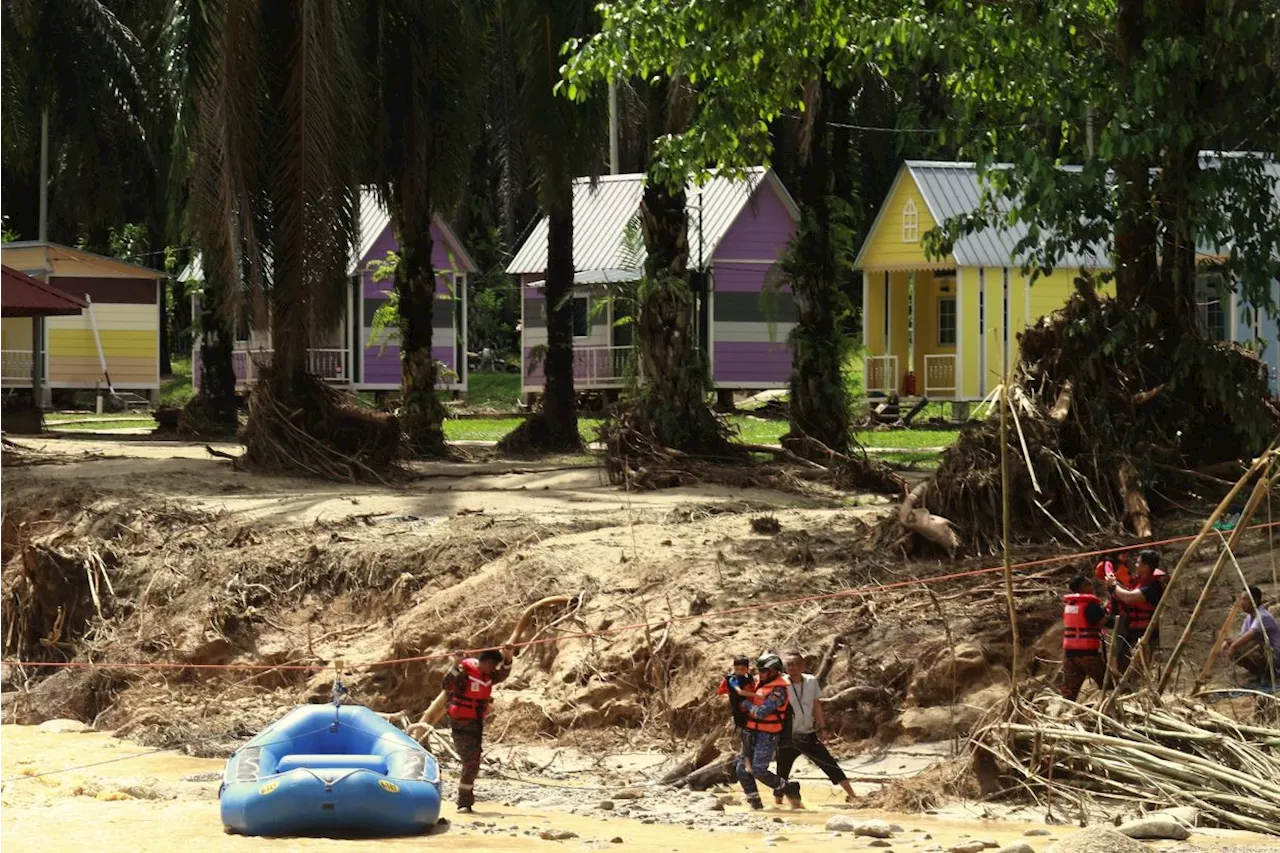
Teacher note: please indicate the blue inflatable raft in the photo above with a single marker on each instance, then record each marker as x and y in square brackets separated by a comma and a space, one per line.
[330, 769]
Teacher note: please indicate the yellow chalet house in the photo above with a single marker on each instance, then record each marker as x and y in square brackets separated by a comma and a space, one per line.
[946, 328]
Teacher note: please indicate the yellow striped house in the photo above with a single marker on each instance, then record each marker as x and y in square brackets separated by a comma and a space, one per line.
[117, 335]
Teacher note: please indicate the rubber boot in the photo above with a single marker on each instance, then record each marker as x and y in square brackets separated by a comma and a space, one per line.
[791, 791]
[753, 800]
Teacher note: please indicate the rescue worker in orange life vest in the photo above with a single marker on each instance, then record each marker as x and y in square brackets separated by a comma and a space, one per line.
[470, 684]
[765, 717]
[1138, 604]
[1082, 656]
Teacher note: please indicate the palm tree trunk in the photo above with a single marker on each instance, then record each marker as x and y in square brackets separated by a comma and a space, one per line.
[217, 374]
[673, 402]
[559, 406]
[819, 403]
[423, 416]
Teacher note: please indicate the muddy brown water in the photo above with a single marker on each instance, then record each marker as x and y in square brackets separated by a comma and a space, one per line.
[90, 809]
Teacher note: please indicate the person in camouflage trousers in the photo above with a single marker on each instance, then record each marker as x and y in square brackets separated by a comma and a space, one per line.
[469, 683]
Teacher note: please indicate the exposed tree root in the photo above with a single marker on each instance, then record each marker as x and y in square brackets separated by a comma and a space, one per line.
[635, 458]
[200, 418]
[317, 432]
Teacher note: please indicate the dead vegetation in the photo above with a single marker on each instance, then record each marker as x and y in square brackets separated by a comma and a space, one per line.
[635, 458]
[1106, 429]
[1179, 752]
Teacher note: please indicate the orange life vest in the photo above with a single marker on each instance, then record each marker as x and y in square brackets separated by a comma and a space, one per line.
[1114, 567]
[771, 723]
[471, 692]
[1138, 616]
[1077, 634]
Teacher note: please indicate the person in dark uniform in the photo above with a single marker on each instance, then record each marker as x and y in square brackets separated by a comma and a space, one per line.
[469, 683]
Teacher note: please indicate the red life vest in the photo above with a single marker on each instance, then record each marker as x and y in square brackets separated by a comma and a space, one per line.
[770, 723]
[471, 693]
[1118, 568]
[1138, 615]
[1077, 634]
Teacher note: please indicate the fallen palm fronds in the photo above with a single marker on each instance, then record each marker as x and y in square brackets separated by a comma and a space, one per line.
[1182, 753]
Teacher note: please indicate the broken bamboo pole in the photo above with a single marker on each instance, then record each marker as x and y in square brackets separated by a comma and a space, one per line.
[1260, 490]
[1004, 524]
[1145, 641]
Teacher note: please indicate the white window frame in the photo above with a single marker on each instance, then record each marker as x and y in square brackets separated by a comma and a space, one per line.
[955, 320]
[910, 222]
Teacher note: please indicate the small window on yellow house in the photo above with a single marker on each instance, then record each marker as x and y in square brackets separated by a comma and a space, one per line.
[910, 223]
[947, 321]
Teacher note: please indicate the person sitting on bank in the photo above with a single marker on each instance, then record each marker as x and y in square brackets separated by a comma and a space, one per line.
[1083, 657]
[808, 728]
[1256, 649]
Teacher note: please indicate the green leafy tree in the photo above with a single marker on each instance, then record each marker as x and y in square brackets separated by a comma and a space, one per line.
[77, 65]
[748, 65]
[421, 62]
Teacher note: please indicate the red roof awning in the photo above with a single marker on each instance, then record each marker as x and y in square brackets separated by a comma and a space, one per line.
[24, 296]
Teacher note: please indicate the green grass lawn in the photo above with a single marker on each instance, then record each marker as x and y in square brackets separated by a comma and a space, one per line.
[493, 390]
[176, 390]
[751, 430]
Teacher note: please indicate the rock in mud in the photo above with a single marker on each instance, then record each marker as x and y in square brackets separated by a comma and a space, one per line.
[1156, 827]
[1020, 847]
[974, 846]
[774, 839]
[710, 804]
[1188, 816]
[556, 835]
[617, 839]
[205, 776]
[64, 727]
[1097, 839]
[839, 823]
[628, 794]
[605, 805]
[872, 829]
[1037, 833]
[879, 842]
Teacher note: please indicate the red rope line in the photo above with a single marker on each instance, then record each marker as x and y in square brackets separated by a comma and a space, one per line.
[618, 629]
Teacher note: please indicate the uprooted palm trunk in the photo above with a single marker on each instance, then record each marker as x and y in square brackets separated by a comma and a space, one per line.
[1102, 423]
[306, 427]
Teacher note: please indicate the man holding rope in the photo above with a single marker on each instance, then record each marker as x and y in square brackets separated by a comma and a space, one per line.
[469, 683]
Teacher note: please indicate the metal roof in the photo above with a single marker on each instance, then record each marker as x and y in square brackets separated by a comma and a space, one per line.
[71, 252]
[954, 189]
[604, 207]
[373, 220]
[25, 296]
